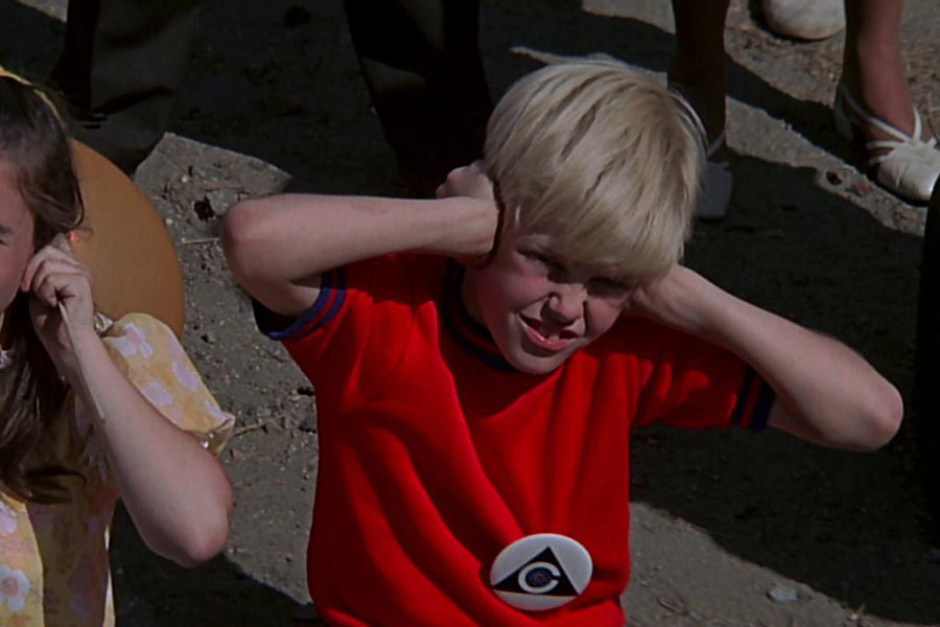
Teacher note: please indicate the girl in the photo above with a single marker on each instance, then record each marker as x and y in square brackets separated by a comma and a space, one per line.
[90, 409]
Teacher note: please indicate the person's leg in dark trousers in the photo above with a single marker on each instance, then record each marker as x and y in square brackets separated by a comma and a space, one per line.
[928, 350]
[423, 67]
[121, 70]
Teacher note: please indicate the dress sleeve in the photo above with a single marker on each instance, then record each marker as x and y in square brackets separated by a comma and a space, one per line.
[694, 384]
[147, 352]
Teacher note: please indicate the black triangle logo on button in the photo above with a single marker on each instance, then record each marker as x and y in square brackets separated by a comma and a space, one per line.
[543, 575]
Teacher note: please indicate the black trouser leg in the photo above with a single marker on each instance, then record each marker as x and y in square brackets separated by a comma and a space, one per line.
[121, 70]
[422, 64]
[928, 353]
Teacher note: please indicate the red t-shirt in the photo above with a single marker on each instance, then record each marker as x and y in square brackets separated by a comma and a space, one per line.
[435, 454]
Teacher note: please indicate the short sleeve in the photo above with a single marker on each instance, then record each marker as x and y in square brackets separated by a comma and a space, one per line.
[354, 334]
[147, 352]
[695, 384]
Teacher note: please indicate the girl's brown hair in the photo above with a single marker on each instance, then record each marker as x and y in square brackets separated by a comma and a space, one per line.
[34, 140]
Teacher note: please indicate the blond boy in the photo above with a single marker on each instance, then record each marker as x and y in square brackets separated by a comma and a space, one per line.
[480, 360]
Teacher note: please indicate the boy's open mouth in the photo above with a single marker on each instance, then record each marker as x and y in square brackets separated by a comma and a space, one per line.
[547, 337]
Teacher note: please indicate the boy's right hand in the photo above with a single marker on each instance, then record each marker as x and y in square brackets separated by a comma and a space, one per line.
[479, 235]
[470, 180]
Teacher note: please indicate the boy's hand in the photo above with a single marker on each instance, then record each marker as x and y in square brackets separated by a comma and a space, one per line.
[479, 235]
[470, 180]
[673, 299]
[54, 278]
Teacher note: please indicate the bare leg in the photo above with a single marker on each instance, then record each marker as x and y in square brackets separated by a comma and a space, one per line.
[872, 67]
[698, 67]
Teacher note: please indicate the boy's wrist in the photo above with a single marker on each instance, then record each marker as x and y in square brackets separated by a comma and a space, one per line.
[683, 299]
[462, 227]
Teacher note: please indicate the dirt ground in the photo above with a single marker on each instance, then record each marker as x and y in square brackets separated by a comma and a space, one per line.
[730, 529]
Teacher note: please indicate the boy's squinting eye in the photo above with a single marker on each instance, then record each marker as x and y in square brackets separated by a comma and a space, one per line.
[548, 262]
[609, 288]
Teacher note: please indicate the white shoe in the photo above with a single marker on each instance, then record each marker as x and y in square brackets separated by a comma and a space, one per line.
[911, 166]
[717, 184]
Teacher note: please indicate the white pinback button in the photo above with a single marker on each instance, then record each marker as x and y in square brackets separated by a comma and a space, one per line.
[541, 572]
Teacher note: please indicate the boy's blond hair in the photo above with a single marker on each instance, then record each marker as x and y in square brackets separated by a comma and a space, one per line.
[602, 159]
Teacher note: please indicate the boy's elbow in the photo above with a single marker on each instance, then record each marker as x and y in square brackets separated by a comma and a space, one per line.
[240, 237]
[886, 410]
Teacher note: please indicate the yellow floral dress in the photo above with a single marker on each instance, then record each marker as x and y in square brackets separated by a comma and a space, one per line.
[54, 568]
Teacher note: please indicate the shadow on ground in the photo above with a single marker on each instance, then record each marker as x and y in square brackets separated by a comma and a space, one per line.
[852, 526]
[849, 525]
[149, 590]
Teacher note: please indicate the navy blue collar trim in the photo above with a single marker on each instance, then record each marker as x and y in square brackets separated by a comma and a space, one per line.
[471, 336]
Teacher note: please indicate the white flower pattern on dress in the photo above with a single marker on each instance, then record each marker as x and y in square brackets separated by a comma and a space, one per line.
[186, 376]
[158, 395]
[70, 579]
[218, 416]
[133, 341]
[7, 519]
[13, 588]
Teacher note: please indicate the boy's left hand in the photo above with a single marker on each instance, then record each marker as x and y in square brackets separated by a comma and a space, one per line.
[54, 276]
[673, 299]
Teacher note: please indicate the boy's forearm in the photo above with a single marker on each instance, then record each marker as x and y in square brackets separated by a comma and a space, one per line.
[826, 392]
[284, 241]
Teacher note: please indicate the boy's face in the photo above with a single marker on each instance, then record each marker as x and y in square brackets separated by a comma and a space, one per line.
[539, 310]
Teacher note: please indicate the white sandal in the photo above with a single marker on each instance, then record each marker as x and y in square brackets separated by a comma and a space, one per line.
[717, 184]
[911, 166]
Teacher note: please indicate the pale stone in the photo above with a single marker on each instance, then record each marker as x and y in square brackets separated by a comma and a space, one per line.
[804, 19]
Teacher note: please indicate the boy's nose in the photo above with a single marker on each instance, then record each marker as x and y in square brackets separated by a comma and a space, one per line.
[566, 303]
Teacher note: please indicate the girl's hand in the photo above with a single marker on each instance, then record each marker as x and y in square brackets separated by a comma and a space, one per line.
[54, 276]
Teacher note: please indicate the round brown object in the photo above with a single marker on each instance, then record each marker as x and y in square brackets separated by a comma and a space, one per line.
[122, 239]
[125, 243]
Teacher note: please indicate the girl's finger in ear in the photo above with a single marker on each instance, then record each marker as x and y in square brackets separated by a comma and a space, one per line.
[50, 288]
[31, 266]
[45, 254]
[48, 265]
[44, 289]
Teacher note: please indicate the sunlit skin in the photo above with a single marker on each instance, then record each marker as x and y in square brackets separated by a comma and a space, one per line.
[538, 309]
[176, 492]
[16, 242]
